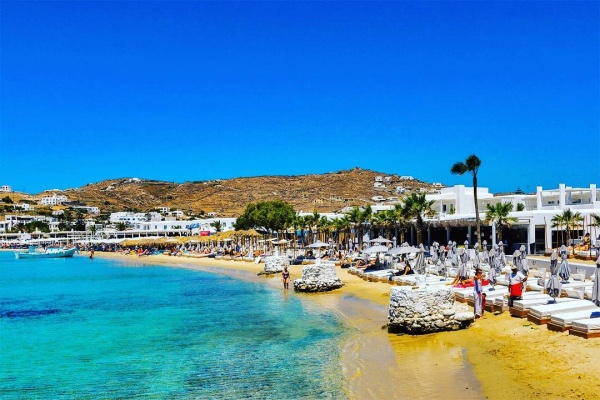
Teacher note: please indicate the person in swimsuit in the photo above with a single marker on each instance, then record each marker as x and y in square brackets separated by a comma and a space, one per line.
[285, 277]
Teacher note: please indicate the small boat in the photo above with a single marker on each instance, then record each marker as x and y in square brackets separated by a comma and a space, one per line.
[49, 252]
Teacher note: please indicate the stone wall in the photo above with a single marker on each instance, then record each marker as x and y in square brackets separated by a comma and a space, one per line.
[275, 264]
[425, 311]
[318, 278]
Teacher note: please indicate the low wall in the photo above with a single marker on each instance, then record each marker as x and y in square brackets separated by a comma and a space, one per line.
[318, 278]
[425, 311]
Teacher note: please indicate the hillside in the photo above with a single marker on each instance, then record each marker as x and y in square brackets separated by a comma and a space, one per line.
[228, 197]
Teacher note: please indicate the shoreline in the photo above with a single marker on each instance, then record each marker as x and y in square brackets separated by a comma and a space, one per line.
[498, 357]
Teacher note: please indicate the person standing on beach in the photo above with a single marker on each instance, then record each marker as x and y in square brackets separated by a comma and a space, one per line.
[285, 278]
[91, 253]
[515, 285]
[478, 295]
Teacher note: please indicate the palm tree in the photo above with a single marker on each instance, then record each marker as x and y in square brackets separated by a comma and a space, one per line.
[354, 217]
[471, 165]
[570, 219]
[417, 206]
[498, 214]
[557, 222]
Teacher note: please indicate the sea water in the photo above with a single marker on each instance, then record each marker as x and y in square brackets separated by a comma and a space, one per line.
[75, 328]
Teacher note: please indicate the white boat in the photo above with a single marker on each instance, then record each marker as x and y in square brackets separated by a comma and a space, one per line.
[49, 252]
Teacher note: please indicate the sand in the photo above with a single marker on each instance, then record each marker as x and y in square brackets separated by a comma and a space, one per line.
[499, 357]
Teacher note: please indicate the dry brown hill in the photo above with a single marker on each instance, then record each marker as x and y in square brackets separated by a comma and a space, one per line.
[228, 197]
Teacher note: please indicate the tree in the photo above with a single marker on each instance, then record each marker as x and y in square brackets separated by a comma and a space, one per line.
[471, 165]
[520, 206]
[217, 225]
[7, 200]
[274, 216]
[498, 214]
[570, 219]
[121, 226]
[557, 222]
[417, 206]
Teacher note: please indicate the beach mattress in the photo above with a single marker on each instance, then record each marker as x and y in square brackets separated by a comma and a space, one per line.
[567, 318]
[527, 304]
[586, 325]
[545, 311]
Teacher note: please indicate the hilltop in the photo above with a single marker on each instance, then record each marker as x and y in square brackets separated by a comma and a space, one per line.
[228, 197]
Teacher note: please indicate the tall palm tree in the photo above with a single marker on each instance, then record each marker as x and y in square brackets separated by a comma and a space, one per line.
[355, 219]
[570, 219]
[557, 222]
[417, 206]
[595, 222]
[471, 165]
[498, 214]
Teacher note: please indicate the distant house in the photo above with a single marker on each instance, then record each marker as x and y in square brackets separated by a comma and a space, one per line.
[378, 179]
[378, 185]
[387, 179]
[401, 189]
[5, 188]
[437, 184]
[406, 178]
[378, 198]
[53, 200]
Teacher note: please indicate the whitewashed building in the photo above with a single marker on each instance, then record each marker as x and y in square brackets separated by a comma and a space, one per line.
[55, 199]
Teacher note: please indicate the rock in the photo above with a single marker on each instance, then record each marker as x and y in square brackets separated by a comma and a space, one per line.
[275, 264]
[425, 311]
[318, 278]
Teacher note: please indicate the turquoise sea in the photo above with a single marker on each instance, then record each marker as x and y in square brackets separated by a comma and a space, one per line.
[104, 329]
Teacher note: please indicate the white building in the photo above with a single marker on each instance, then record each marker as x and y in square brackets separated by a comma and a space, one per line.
[87, 209]
[53, 200]
[129, 218]
[5, 188]
[24, 206]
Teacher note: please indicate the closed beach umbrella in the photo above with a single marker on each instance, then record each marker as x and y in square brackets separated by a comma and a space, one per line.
[563, 269]
[463, 268]
[553, 286]
[420, 261]
[596, 287]
[554, 263]
[517, 260]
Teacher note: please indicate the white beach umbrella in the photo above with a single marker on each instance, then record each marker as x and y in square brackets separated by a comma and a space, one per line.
[403, 250]
[376, 249]
[380, 240]
[317, 245]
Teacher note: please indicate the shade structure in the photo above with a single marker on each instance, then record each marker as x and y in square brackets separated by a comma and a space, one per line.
[380, 240]
[420, 261]
[403, 250]
[553, 286]
[554, 263]
[376, 249]
[282, 241]
[596, 286]
[317, 245]
[563, 269]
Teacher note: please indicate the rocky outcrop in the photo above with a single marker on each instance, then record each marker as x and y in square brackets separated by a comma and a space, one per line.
[425, 311]
[318, 278]
[275, 264]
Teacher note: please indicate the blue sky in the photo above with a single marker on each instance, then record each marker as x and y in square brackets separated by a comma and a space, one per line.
[185, 91]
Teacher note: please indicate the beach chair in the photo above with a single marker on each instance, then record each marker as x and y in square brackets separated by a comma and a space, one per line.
[586, 328]
[563, 321]
[521, 308]
[541, 315]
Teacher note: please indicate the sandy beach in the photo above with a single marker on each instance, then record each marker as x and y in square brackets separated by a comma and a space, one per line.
[498, 357]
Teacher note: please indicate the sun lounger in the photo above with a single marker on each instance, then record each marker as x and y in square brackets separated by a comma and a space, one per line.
[563, 321]
[586, 328]
[542, 314]
[521, 308]
[501, 303]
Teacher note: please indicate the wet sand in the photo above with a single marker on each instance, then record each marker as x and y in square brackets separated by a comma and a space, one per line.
[498, 357]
